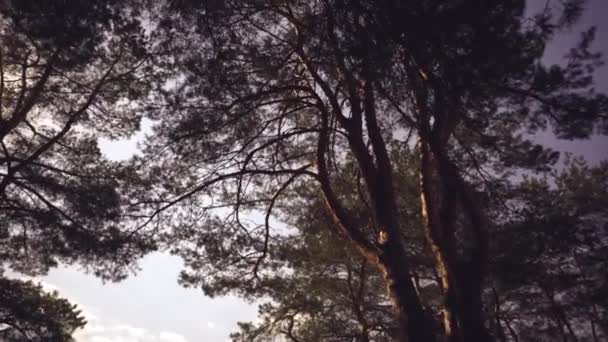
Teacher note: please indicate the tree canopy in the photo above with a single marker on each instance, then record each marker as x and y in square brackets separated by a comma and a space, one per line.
[28, 313]
[273, 95]
[70, 73]
[383, 140]
[546, 281]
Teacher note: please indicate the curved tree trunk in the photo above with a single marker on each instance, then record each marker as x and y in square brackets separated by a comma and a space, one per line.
[439, 239]
[388, 253]
[461, 280]
[413, 320]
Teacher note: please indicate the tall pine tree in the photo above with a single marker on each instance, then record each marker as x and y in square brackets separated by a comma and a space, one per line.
[269, 95]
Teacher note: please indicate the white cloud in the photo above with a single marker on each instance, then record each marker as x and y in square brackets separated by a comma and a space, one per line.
[166, 336]
[123, 333]
[48, 287]
[99, 330]
[210, 324]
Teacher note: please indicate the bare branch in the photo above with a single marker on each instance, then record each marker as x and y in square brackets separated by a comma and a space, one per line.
[339, 213]
[25, 104]
[267, 220]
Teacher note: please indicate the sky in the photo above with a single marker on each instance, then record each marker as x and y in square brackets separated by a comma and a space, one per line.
[595, 15]
[148, 307]
[152, 307]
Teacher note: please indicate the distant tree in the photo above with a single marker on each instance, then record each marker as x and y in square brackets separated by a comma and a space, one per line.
[267, 96]
[28, 313]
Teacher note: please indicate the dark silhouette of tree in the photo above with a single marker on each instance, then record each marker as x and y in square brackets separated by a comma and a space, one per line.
[549, 267]
[70, 72]
[268, 96]
[29, 314]
[268, 108]
[546, 281]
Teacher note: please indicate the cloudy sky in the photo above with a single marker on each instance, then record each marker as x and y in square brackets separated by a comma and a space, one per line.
[149, 307]
[152, 307]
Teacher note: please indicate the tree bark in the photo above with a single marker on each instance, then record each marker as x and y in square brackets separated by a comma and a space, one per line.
[439, 239]
[388, 255]
[461, 280]
[413, 321]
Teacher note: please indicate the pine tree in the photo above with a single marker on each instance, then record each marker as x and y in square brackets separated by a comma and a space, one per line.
[70, 73]
[28, 313]
[267, 96]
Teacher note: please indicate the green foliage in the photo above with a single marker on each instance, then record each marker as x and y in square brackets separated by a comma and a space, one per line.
[270, 97]
[285, 163]
[28, 313]
[71, 72]
[329, 295]
[549, 267]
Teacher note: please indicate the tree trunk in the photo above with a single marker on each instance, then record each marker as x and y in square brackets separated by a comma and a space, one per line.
[390, 258]
[440, 240]
[461, 280]
[498, 329]
[470, 308]
[387, 253]
[414, 323]
[469, 273]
